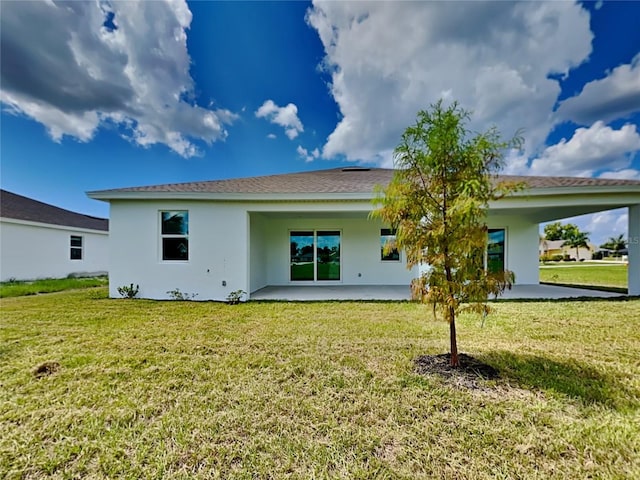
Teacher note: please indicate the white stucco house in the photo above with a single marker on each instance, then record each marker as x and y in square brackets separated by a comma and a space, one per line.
[313, 228]
[38, 240]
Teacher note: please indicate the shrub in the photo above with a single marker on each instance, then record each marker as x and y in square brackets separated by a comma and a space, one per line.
[556, 258]
[544, 258]
[235, 297]
[129, 291]
[176, 294]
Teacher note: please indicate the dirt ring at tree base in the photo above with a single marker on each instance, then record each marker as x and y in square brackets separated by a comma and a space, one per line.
[471, 373]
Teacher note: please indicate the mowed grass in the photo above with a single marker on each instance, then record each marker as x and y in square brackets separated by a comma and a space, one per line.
[605, 275]
[151, 389]
[48, 285]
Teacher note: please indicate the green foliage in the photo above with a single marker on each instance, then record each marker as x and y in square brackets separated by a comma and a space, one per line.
[129, 291]
[176, 294]
[18, 288]
[437, 201]
[574, 238]
[560, 231]
[616, 244]
[235, 297]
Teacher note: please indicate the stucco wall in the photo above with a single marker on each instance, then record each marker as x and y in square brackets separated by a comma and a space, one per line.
[218, 250]
[521, 246]
[246, 245]
[258, 252]
[29, 251]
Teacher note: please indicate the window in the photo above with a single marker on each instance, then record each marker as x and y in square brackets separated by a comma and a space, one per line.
[495, 250]
[388, 249]
[76, 248]
[175, 234]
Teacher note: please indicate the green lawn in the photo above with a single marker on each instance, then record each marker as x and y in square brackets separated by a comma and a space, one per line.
[20, 288]
[574, 273]
[149, 389]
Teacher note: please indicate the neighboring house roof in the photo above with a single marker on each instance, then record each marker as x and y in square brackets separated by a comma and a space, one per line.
[22, 208]
[350, 180]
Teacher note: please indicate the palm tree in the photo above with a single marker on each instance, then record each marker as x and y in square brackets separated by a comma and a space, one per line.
[577, 239]
[615, 243]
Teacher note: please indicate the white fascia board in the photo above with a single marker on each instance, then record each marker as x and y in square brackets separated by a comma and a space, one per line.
[232, 197]
[52, 226]
[584, 190]
[558, 200]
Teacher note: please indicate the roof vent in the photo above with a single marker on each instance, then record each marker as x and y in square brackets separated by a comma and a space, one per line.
[355, 169]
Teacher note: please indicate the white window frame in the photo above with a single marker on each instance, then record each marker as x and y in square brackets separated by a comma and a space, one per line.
[73, 247]
[389, 260]
[162, 236]
[315, 280]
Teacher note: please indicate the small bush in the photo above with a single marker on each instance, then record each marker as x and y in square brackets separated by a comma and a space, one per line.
[129, 291]
[176, 294]
[544, 258]
[556, 258]
[235, 297]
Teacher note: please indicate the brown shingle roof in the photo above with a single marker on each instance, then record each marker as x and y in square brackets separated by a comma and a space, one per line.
[337, 180]
[23, 208]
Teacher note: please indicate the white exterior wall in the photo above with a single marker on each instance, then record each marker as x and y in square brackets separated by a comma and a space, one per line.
[359, 252]
[258, 252]
[522, 242]
[246, 245]
[218, 249]
[31, 250]
[634, 250]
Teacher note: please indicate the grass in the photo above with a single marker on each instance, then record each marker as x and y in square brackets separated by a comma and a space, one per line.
[149, 389]
[604, 275]
[18, 288]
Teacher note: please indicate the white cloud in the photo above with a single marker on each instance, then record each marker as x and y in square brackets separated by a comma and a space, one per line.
[617, 95]
[304, 153]
[286, 117]
[272, 136]
[624, 174]
[64, 68]
[590, 150]
[388, 60]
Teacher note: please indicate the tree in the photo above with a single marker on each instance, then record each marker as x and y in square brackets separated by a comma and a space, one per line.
[576, 239]
[616, 244]
[553, 231]
[437, 202]
[558, 231]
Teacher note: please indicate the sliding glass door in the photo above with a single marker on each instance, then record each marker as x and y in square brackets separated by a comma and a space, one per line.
[314, 255]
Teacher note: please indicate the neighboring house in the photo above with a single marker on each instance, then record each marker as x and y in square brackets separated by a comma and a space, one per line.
[314, 228]
[552, 248]
[38, 240]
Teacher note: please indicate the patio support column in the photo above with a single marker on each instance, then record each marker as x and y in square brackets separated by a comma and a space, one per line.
[634, 250]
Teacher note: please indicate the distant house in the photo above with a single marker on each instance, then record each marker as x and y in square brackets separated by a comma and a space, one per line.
[314, 228]
[551, 248]
[38, 240]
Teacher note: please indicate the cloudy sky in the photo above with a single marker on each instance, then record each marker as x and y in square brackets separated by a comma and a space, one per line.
[105, 94]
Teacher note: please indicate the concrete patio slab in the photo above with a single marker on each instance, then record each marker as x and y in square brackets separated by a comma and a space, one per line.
[316, 293]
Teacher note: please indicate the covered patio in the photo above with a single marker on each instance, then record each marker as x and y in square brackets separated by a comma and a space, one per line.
[316, 293]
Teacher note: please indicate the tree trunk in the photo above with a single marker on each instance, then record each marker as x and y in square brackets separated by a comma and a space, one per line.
[454, 362]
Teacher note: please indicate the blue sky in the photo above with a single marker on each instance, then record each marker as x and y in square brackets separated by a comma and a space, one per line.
[106, 94]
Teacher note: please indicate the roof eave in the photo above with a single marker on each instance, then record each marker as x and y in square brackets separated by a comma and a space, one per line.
[231, 197]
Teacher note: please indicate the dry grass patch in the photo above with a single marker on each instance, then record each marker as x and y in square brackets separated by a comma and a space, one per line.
[313, 390]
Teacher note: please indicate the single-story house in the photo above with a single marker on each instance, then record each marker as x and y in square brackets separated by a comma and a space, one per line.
[551, 248]
[313, 228]
[38, 240]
